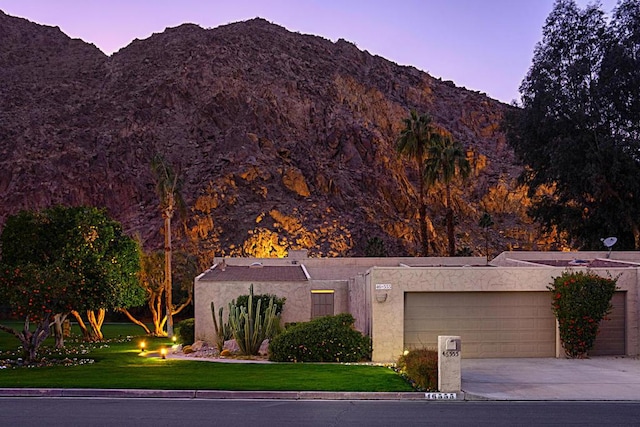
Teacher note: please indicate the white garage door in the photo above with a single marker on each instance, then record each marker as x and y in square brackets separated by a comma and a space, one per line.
[490, 324]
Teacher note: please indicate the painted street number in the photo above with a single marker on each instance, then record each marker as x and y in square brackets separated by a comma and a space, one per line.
[383, 286]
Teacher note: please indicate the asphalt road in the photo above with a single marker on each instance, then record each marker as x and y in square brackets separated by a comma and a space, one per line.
[141, 412]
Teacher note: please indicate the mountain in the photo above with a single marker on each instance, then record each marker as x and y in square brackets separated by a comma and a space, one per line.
[283, 140]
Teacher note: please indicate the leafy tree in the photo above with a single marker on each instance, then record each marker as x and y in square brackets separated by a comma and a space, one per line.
[152, 281]
[375, 248]
[446, 159]
[64, 260]
[414, 141]
[577, 131]
[168, 184]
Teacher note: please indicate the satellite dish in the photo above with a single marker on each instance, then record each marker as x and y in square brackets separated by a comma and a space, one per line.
[609, 242]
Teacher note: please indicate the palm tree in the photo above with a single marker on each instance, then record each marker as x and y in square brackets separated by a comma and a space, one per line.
[414, 141]
[485, 222]
[445, 160]
[168, 189]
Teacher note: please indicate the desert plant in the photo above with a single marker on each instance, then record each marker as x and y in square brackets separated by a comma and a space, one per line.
[249, 327]
[420, 368]
[223, 330]
[243, 301]
[186, 331]
[325, 339]
[580, 302]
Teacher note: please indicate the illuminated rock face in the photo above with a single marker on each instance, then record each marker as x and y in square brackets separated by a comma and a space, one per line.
[284, 141]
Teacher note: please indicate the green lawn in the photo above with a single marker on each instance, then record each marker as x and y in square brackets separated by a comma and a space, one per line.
[118, 364]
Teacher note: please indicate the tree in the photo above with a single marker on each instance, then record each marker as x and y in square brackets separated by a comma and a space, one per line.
[446, 159]
[62, 260]
[577, 131]
[485, 222]
[413, 143]
[152, 281]
[167, 184]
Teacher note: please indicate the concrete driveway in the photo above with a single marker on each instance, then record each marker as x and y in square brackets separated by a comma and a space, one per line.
[599, 378]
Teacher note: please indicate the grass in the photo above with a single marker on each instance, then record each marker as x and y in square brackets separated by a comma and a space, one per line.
[118, 364]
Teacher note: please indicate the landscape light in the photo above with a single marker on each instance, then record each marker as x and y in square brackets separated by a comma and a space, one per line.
[163, 352]
[174, 339]
[142, 346]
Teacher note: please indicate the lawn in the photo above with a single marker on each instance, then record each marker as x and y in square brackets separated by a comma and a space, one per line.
[118, 363]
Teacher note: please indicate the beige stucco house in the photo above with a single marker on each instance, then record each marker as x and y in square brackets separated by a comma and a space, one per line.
[500, 308]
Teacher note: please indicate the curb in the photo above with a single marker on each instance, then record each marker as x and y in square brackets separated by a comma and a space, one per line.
[222, 394]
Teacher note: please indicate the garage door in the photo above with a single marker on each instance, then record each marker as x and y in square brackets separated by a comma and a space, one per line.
[490, 324]
[610, 340]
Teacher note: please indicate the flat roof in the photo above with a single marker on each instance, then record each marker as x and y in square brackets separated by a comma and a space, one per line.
[244, 273]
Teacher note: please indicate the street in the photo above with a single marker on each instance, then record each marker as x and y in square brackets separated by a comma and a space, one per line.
[140, 412]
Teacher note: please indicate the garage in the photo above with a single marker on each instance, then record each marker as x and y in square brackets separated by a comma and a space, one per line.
[611, 339]
[490, 324]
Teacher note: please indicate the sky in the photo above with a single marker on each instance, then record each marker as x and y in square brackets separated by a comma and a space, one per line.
[483, 45]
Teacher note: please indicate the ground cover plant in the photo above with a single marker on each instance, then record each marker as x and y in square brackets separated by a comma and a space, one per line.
[118, 363]
[420, 367]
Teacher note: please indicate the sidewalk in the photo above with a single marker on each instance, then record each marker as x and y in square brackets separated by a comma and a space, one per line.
[600, 378]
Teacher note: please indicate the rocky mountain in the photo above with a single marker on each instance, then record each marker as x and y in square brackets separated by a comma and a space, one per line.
[283, 140]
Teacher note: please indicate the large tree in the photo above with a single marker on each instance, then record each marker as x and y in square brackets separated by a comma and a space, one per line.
[413, 143]
[446, 160]
[62, 260]
[168, 186]
[152, 280]
[577, 129]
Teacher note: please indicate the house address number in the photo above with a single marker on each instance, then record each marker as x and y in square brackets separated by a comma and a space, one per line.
[383, 286]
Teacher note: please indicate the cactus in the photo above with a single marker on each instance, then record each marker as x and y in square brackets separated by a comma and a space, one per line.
[250, 327]
[223, 330]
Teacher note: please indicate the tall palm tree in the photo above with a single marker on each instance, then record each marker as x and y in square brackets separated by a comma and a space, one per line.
[168, 189]
[446, 159]
[414, 141]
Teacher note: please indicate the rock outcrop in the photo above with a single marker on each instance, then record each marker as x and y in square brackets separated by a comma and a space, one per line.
[283, 141]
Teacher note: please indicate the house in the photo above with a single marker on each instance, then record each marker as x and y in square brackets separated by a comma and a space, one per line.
[500, 308]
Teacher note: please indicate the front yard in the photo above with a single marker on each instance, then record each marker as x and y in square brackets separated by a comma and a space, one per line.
[117, 363]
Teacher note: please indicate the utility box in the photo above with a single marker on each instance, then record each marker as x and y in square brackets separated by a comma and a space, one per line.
[449, 355]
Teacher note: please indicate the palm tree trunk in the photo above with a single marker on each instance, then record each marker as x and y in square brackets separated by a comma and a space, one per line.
[422, 209]
[167, 271]
[450, 226]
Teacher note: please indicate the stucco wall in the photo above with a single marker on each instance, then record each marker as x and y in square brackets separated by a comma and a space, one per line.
[387, 318]
[297, 307]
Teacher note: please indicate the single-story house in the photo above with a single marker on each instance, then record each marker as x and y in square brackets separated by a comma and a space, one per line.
[500, 308]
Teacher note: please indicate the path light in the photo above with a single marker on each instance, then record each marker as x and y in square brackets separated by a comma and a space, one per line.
[174, 338]
[163, 352]
[142, 346]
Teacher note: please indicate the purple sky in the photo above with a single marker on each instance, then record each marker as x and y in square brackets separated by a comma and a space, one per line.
[484, 45]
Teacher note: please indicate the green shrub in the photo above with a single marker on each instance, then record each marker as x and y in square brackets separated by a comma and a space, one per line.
[185, 330]
[420, 367]
[325, 339]
[580, 302]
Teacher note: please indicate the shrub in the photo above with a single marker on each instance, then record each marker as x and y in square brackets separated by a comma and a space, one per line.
[420, 367]
[185, 330]
[325, 339]
[580, 302]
